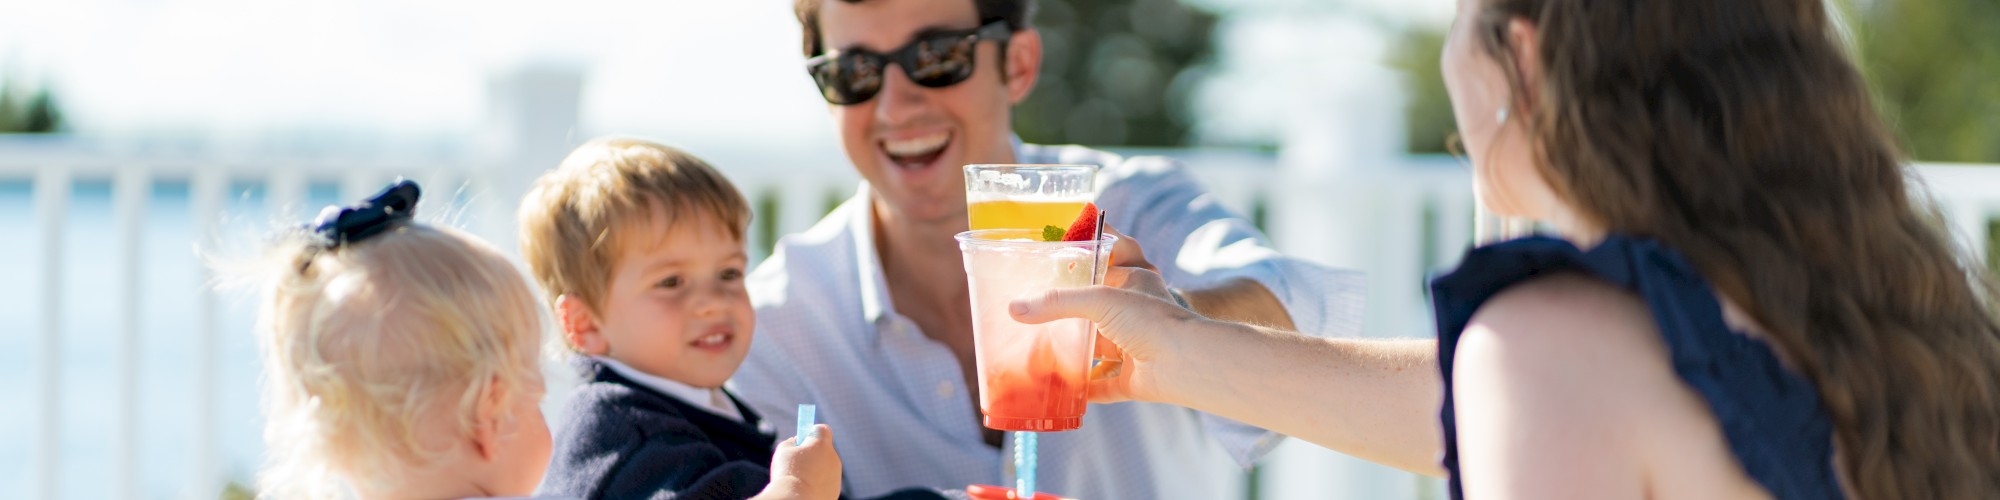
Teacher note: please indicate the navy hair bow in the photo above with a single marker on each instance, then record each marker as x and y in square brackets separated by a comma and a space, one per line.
[337, 225]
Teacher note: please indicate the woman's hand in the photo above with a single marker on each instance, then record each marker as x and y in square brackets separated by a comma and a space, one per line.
[809, 471]
[1135, 311]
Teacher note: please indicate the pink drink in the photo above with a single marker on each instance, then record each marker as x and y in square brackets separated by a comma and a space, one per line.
[1031, 377]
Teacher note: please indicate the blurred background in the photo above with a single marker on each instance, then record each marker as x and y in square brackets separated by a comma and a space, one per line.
[140, 137]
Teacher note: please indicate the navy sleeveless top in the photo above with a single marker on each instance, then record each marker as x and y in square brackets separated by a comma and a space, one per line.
[1771, 416]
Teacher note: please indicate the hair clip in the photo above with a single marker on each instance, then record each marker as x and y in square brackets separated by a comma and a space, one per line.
[338, 226]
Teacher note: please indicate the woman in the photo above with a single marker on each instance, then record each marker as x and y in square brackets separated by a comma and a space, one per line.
[1742, 303]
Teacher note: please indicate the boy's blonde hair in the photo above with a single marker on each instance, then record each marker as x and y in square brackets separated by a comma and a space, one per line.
[365, 342]
[574, 221]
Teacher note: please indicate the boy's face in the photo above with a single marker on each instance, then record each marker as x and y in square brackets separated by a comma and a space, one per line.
[676, 307]
[910, 141]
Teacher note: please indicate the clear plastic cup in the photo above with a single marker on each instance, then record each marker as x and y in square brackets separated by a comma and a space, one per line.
[1027, 196]
[1031, 377]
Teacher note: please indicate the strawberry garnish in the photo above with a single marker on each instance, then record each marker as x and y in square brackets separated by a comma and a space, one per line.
[1085, 226]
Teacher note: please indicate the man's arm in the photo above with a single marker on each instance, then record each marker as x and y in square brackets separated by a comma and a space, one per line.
[1241, 300]
[1224, 266]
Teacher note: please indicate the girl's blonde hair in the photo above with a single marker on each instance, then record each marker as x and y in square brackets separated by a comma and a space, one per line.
[364, 342]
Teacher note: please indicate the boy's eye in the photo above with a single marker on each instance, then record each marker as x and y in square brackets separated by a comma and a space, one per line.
[732, 274]
[670, 282]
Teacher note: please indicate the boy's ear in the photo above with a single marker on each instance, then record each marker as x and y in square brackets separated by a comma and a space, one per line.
[486, 420]
[579, 326]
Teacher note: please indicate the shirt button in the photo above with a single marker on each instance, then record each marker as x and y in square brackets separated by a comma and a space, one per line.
[944, 389]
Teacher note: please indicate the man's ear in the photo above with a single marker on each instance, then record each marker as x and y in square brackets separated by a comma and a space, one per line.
[1525, 39]
[1024, 64]
[486, 420]
[579, 326]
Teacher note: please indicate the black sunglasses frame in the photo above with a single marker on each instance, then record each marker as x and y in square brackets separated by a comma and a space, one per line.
[825, 68]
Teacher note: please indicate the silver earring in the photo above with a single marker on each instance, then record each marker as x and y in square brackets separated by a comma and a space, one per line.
[1501, 116]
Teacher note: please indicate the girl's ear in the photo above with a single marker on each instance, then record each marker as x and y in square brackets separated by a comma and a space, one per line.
[491, 408]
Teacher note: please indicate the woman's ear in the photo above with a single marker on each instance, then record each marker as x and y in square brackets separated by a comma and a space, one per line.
[1023, 64]
[579, 326]
[1525, 40]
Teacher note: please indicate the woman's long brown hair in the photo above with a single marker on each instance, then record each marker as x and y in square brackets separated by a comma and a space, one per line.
[1739, 133]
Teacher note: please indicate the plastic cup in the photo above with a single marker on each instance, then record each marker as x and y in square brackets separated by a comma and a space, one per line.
[1027, 196]
[1031, 377]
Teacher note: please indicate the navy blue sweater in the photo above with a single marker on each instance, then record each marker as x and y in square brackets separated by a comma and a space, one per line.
[628, 441]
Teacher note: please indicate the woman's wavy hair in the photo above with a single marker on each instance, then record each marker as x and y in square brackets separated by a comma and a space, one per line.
[1739, 133]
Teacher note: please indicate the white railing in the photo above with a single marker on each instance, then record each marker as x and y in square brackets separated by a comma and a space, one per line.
[475, 195]
[1398, 222]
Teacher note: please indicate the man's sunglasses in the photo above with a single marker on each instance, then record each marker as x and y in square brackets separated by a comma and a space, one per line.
[935, 61]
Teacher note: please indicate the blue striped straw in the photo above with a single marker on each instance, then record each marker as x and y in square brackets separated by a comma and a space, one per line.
[1024, 464]
[805, 424]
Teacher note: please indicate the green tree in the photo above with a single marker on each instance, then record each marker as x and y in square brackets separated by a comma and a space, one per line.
[1115, 72]
[1934, 66]
[1427, 115]
[25, 110]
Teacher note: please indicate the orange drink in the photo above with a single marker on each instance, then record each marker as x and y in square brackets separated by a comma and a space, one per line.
[1022, 214]
[1031, 377]
[1027, 196]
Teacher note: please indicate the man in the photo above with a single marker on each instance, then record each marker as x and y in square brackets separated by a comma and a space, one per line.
[867, 313]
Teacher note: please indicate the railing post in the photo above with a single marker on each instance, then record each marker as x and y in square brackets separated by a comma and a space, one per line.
[206, 191]
[1969, 223]
[130, 190]
[533, 125]
[286, 202]
[52, 186]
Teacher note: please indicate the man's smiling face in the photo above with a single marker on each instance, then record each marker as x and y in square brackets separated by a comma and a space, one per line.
[909, 141]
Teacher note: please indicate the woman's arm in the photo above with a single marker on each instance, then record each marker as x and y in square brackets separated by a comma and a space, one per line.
[1377, 400]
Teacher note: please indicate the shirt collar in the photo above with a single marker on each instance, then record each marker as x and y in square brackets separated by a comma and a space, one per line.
[711, 400]
[875, 304]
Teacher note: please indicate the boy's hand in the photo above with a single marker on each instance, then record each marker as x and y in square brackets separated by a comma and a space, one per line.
[805, 472]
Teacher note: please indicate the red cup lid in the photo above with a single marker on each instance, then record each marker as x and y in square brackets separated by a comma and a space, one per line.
[988, 492]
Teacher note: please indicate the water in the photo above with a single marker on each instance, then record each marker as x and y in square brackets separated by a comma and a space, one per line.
[172, 281]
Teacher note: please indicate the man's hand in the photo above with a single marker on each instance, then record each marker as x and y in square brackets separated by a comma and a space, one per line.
[1127, 253]
[1240, 300]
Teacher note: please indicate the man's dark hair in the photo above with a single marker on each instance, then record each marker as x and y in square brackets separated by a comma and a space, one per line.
[1015, 12]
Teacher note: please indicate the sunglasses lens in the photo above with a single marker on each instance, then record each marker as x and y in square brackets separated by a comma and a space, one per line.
[849, 78]
[855, 77]
[941, 62]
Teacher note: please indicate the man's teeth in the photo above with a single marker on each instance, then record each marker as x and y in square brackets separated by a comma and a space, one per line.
[918, 146]
[712, 339]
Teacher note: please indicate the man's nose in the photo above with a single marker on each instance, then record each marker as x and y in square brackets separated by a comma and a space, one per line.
[900, 99]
